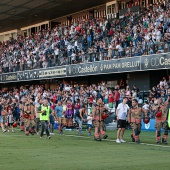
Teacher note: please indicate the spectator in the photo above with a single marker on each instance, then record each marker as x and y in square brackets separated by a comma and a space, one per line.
[89, 123]
[106, 38]
[60, 117]
[121, 113]
[52, 122]
[137, 91]
[79, 118]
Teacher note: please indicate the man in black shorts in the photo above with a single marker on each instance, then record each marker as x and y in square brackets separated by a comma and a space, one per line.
[121, 113]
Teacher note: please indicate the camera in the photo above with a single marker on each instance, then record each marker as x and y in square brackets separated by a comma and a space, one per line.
[106, 111]
[44, 113]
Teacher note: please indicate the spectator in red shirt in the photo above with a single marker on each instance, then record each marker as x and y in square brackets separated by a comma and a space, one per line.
[116, 97]
[91, 99]
[98, 30]
[54, 98]
[111, 32]
[77, 105]
[111, 99]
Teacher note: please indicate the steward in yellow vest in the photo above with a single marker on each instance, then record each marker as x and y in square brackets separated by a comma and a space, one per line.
[44, 111]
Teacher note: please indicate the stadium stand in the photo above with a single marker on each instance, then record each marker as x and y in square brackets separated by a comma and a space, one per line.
[89, 40]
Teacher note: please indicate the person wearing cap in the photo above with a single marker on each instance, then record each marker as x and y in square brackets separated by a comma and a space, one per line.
[121, 112]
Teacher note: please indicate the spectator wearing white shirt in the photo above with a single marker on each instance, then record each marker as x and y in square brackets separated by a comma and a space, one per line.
[162, 83]
[76, 45]
[120, 49]
[121, 112]
[69, 49]
[158, 35]
[73, 58]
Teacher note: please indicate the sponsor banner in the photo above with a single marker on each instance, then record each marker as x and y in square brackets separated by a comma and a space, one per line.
[8, 77]
[122, 65]
[28, 75]
[83, 69]
[155, 62]
[143, 63]
[53, 72]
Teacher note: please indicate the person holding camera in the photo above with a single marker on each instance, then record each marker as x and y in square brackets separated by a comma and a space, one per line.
[44, 111]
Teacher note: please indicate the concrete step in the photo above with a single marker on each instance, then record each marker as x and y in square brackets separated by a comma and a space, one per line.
[111, 126]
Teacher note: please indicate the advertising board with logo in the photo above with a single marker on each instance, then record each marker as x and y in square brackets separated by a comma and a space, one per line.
[155, 62]
[53, 72]
[83, 69]
[120, 65]
[28, 75]
[132, 64]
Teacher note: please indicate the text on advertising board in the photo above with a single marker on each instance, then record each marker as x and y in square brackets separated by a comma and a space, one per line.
[53, 72]
[9, 77]
[155, 61]
[28, 75]
[83, 69]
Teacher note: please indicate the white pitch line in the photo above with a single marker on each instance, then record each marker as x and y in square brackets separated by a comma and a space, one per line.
[115, 141]
[86, 137]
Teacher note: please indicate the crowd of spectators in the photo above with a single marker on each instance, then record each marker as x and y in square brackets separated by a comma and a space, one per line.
[78, 96]
[90, 40]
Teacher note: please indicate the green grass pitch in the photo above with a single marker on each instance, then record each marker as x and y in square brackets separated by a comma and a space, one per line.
[72, 152]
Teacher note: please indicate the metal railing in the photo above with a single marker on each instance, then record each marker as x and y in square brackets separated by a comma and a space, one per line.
[134, 51]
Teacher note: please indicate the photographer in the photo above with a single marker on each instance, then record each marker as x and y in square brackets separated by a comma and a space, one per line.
[44, 111]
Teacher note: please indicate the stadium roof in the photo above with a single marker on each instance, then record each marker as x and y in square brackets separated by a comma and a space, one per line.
[20, 13]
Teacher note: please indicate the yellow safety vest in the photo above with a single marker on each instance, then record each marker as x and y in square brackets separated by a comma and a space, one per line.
[45, 117]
